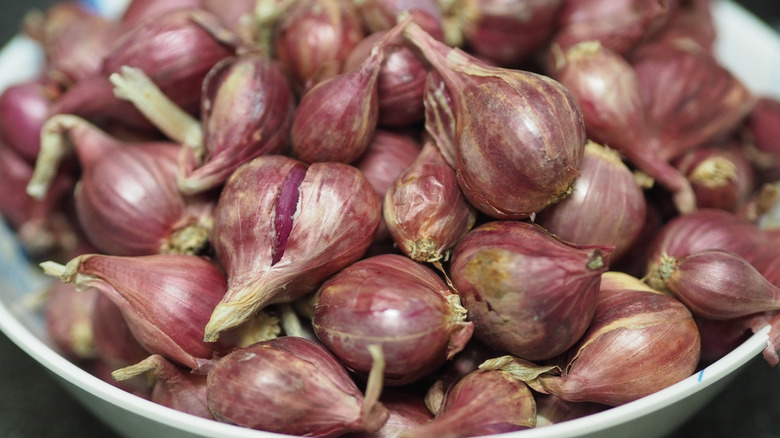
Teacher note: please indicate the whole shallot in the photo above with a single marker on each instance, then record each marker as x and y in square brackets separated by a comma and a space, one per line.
[398, 304]
[527, 292]
[293, 386]
[425, 211]
[717, 284]
[519, 137]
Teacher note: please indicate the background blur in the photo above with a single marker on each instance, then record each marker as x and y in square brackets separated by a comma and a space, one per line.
[33, 405]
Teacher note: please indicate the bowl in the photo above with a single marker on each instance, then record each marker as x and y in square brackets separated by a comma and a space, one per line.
[746, 46]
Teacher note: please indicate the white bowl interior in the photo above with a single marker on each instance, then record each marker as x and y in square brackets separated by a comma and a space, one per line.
[749, 48]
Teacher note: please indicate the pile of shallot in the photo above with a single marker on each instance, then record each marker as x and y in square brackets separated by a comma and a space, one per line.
[386, 218]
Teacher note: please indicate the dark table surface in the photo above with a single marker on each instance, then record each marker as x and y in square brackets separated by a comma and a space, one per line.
[33, 405]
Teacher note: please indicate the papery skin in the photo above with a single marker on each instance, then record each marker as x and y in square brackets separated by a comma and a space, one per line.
[288, 385]
[425, 211]
[638, 343]
[313, 39]
[403, 306]
[523, 151]
[718, 284]
[166, 299]
[482, 403]
[606, 205]
[337, 215]
[255, 85]
[527, 292]
[440, 116]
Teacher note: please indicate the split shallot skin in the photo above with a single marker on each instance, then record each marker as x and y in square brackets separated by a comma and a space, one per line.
[282, 227]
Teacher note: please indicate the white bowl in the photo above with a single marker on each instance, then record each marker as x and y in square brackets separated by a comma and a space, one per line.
[749, 48]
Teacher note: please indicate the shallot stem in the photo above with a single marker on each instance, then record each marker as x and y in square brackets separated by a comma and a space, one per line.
[52, 150]
[131, 371]
[53, 269]
[266, 14]
[374, 385]
[133, 85]
[290, 322]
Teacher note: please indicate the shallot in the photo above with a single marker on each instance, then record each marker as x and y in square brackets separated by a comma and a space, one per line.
[312, 38]
[606, 206]
[290, 385]
[281, 228]
[221, 141]
[717, 284]
[639, 342]
[486, 401]
[527, 292]
[166, 299]
[519, 136]
[127, 199]
[425, 211]
[174, 386]
[398, 304]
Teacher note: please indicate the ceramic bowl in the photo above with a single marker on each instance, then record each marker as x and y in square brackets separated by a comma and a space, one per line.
[749, 48]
